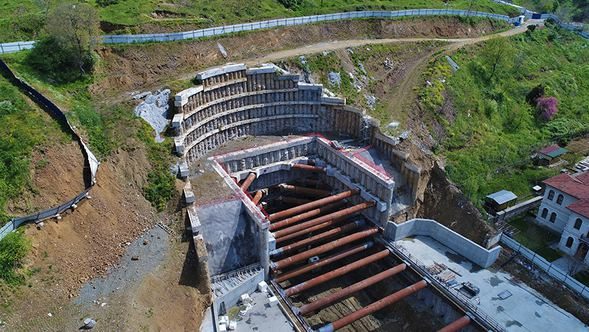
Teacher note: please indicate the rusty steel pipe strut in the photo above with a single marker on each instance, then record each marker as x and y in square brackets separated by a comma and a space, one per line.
[309, 168]
[257, 197]
[309, 230]
[306, 215]
[336, 273]
[248, 181]
[335, 215]
[456, 325]
[286, 262]
[373, 307]
[324, 261]
[343, 293]
[312, 205]
[318, 237]
[304, 190]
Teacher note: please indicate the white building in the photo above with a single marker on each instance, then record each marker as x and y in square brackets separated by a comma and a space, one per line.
[565, 210]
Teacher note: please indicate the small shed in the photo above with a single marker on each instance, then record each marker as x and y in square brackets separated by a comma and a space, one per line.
[549, 155]
[499, 201]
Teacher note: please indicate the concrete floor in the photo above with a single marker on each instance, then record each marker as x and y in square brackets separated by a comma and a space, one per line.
[524, 310]
[264, 317]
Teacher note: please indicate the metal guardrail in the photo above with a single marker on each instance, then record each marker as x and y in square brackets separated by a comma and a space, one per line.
[541, 263]
[454, 295]
[229, 29]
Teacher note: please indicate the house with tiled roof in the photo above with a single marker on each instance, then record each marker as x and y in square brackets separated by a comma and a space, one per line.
[549, 155]
[565, 210]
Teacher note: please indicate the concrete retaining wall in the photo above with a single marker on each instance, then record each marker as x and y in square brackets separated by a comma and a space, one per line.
[427, 227]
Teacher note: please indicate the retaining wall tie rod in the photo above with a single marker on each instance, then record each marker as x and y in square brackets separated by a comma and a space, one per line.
[257, 197]
[311, 205]
[376, 306]
[304, 190]
[456, 325]
[323, 248]
[318, 237]
[323, 302]
[248, 181]
[309, 168]
[313, 222]
[324, 261]
[336, 273]
[307, 215]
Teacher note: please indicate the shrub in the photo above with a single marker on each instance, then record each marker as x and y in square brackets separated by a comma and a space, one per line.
[13, 249]
[547, 107]
[106, 3]
[291, 4]
[58, 62]
[160, 188]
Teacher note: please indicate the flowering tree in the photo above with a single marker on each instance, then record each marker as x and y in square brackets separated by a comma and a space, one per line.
[547, 107]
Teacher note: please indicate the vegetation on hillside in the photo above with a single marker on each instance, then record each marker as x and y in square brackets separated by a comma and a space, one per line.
[13, 250]
[24, 129]
[24, 20]
[569, 10]
[492, 126]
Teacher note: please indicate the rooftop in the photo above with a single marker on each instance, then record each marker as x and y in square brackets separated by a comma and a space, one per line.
[553, 151]
[512, 303]
[576, 185]
[502, 196]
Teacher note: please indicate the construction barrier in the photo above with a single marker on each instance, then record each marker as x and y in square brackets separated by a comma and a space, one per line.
[90, 161]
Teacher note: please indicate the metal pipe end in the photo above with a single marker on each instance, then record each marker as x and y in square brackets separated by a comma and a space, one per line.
[275, 252]
[369, 244]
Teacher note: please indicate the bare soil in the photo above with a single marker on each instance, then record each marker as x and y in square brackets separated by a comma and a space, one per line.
[142, 67]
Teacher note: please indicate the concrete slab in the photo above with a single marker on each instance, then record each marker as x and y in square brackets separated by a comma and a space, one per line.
[263, 316]
[524, 310]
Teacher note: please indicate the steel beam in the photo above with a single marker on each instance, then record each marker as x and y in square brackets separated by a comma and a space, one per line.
[257, 197]
[376, 306]
[306, 215]
[311, 205]
[323, 302]
[309, 230]
[324, 261]
[248, 181]
[319, 237]
[456, 325]
[335, 215]
[304, 190]
[336, 273]
[286, 262]
[309, 168]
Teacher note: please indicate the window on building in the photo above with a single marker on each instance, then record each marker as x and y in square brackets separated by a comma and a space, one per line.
[569, 242]
[578, 223]
[559, 199]
[551, 195]
[553, 217]
[544, 213]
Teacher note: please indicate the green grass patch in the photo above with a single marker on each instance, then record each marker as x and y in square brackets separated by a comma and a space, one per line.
[13, 249]
[24, 129]
[23, 20]
[160, 186]
[492, 130]
[536, 238]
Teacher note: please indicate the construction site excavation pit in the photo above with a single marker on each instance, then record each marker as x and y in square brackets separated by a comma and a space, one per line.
[293, 193]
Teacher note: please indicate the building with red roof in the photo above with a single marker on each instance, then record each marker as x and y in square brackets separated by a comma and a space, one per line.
[565, 210]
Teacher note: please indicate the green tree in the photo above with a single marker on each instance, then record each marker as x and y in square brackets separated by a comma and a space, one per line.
[497, 55]
[66, 52]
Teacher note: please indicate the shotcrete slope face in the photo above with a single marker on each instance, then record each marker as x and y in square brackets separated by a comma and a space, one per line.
[305, 212]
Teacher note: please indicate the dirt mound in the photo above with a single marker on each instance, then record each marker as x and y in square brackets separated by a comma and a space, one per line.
[56, 176]
[130, 68]
[445, 203]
